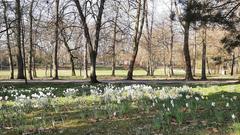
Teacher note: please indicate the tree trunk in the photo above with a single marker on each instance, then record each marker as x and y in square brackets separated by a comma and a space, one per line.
[204, 51]
[55, 63]
[187, 57]
[86, 61]
[30, 41]
[195, 54]
[34, 67]
[93, 48]
[69, 52]
[24, 52]
[114, 44]
[93, 76]
[208, 67]
[137, 37]
[8, 41]
[20, 63]
[233, 64]
[171, 73]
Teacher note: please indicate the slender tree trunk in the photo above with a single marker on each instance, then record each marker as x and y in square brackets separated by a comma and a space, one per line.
[30, 41]
[137, 37]
[233, 64]
[204, 50]
[8, 41]
[114, 44]
[86, 61]
[20, 63]
[171, 42]
[34, 67]
[55, 63]
[195, 54]
[24, 52]
[187, 57]
[69, 52]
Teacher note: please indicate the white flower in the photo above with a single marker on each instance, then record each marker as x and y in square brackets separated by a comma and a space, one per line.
[197, 98]
[233, 116]
[223, 96]
[187, 105]
[213, 104]
[202, 97]
[235, 97]
[187, 96]
[168, 109]
[172, 103]
[164, 105]
[6, 97]
[1, 98]
[227, 105]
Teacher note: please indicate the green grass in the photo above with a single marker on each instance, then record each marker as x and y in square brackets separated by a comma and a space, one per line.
[89, 114]
[105, 73]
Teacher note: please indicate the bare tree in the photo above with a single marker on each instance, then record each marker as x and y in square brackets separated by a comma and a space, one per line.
[93, 47]
[141, 7]
[18, 40]
[55, 59]
[8, 40]
[30, 59]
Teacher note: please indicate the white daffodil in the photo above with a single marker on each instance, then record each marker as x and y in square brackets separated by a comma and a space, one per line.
[233, 117]
[235, 97]
[223, 96]
[197, 98]
[227, 105]
[213, 104]
[187, 105]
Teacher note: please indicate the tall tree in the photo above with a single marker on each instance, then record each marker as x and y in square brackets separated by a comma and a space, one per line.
[8, 39]
[30, 59]
[55, 59]
[92, 46]
[18, 31]
[114, 41]
[139, 23]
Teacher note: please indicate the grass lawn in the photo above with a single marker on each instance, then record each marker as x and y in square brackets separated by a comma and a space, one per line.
[70, 109]
[105, 73]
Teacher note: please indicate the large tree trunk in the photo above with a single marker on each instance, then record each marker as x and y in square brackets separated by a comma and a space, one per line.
[86, 61]
[34, 67]
[23, 49]
[114, 44]
[30, 41]
[8, 40]
[20, 63]
[137, 37]
[93, 76]
[55, 63]
[187, 57]
[204, 51]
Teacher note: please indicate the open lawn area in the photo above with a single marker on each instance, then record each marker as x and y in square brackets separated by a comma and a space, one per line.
[73, 108]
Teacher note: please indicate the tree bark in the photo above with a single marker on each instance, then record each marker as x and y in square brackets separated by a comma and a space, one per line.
[30, 41]
[55, 63]
[8, 40]
[187, 57]
[204, 51]
[20, 63]
[137, 37]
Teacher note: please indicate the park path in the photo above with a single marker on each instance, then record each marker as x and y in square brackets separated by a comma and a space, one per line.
[215, 81]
